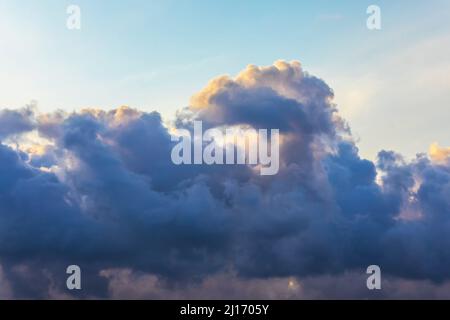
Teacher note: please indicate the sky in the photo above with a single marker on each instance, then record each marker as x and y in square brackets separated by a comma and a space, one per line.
[154, 55]
[88, 177]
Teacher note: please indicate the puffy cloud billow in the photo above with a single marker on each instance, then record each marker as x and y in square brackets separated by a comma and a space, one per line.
[98, 189]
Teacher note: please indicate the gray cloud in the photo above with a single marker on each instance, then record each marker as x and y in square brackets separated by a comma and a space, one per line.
[14, 122]
[104, 194]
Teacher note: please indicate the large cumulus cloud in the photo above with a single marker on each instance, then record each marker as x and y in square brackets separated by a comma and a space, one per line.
[98, 189]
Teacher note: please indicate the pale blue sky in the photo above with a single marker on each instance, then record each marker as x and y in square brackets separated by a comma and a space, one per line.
[392, 85]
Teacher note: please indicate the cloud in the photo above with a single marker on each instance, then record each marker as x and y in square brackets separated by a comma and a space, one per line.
[439, 154]
[14, 122]
[281, 96]
[126, 284]
[99, 190]
[5, 288]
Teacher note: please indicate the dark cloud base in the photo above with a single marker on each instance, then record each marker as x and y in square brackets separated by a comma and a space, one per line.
[98, 189]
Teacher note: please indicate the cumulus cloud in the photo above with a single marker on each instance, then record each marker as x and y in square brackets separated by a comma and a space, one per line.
[439, 154]
[124, 284]
[98, 189]
[14, 122]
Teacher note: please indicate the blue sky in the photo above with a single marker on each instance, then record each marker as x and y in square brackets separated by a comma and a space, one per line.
[153, 55]
[101, 190]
